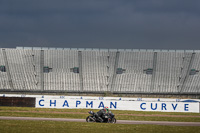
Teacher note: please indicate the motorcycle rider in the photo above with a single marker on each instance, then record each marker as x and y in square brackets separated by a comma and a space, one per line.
[101, 113]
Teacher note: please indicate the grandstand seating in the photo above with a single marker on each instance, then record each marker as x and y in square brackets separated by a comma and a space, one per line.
[100, 70]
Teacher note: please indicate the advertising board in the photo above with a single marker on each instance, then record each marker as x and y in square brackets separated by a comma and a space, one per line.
[66, 103]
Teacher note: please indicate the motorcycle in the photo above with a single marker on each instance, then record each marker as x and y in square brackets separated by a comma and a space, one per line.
[108, 118]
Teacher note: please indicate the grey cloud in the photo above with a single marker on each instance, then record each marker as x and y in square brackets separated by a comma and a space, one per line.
[156, 24]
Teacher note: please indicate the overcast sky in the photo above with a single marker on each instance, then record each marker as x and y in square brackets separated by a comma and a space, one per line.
[116, 24]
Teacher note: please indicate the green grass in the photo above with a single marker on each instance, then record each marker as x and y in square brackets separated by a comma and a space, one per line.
[82, 114]
[16, 126]
[4, 108]
[19, 126]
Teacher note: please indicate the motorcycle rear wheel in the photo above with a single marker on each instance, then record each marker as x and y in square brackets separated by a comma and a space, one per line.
[88, 119]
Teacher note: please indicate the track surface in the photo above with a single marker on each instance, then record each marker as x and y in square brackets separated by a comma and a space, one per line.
[118, 121]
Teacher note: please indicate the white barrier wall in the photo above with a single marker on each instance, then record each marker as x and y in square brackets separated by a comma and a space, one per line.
[102, 98]
[117, 105]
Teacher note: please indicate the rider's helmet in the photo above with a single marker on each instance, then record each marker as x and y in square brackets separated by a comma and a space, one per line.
[106, 109]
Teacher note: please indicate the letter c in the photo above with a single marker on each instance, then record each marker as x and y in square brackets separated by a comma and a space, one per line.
[142, 107]
[40, 102]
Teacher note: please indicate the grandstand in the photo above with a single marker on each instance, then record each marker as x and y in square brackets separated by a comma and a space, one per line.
[34, 69]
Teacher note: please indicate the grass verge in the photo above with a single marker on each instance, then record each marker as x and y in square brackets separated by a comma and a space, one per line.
[82, 114]
[76, 127]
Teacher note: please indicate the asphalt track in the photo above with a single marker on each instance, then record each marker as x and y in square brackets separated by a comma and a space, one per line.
[118, 121]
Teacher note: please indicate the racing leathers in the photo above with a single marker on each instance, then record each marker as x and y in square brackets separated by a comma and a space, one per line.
[101, 114]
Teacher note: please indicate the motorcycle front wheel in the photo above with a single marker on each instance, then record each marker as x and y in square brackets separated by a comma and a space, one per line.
[113, 120]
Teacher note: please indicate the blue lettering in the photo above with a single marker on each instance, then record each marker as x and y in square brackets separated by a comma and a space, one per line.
[186, 107]
[111, 104]
[101, 105]
[152, 106]
[65, 103]
[142, 107]
[139, 99]
[174, 107]
[62, 97]
[53, 103]
[42, 96]
[88, 104]
[40, 102]
[100, 98]
[178, 100]
[77, 103]
[164, 106]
